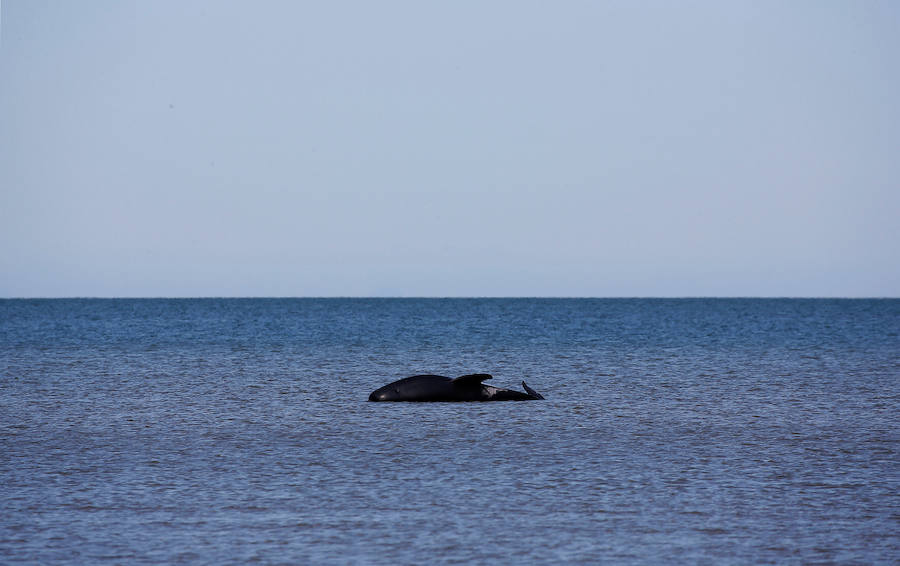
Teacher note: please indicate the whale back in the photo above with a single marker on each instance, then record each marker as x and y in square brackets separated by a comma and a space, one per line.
[439, 388]
[414, 388]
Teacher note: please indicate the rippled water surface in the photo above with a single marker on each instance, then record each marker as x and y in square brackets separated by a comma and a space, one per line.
[237, 431]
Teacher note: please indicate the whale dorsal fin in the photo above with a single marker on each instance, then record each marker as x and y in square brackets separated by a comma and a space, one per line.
[472, 379]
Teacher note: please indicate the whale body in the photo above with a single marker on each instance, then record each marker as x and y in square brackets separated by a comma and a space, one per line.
[440, 388]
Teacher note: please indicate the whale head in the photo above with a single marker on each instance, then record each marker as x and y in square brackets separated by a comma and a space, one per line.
[386, 393]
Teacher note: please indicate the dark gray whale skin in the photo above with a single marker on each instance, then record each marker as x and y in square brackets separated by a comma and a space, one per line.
[429, 388]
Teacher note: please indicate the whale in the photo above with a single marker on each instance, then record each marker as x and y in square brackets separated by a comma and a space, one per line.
[426, 388]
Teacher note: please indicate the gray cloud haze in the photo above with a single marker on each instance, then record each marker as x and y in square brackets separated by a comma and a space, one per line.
[449, 149]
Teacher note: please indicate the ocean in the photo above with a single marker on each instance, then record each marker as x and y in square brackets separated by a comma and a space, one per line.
[238, 431]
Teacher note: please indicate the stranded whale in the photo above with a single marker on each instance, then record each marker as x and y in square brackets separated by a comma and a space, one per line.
[440, 388]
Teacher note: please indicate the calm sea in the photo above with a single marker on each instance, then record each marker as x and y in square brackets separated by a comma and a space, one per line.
[722, 431]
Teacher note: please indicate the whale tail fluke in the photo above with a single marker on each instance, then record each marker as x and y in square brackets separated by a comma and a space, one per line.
[531, 391]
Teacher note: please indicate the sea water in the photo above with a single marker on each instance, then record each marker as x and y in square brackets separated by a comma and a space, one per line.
[233, 431]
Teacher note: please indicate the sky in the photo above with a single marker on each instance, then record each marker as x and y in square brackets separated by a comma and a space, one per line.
[466, 148]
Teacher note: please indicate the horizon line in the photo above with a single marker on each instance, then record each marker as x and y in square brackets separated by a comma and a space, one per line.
[446, 297]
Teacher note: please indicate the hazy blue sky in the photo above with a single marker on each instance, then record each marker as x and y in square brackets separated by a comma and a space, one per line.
[506, 148]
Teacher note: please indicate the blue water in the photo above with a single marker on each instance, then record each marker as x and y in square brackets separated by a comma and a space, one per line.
[238, 431]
